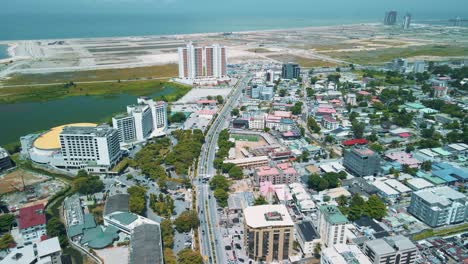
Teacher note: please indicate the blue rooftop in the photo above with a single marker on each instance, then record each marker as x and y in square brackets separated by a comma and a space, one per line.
[449, 173]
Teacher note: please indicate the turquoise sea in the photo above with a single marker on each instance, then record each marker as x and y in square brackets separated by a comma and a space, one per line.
[65, 25]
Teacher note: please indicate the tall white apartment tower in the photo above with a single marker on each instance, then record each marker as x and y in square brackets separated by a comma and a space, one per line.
[202, 62]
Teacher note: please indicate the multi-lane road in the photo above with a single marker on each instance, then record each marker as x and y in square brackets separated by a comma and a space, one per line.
[210, 238]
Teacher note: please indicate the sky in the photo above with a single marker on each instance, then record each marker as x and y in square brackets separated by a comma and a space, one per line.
[352, 8]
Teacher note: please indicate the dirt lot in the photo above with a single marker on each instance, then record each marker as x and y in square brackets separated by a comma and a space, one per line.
[248, 145]
[13, 182]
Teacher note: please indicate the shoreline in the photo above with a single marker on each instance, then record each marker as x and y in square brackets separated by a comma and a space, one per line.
[200, 34]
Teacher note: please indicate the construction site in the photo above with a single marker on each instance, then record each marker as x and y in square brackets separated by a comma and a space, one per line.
[20, 187]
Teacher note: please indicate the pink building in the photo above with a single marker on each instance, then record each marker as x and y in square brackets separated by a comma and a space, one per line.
[404, 159]
[283, 173]
[325, 111]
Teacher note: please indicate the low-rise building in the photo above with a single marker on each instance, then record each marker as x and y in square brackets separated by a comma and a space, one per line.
[439, 206]
[329, 123]
[268, 233]
[44, 252]
[391, 250]
[283, 173]
[32, 222]
[343, 254]
[252, 162]
[146, 245]
[307, 236]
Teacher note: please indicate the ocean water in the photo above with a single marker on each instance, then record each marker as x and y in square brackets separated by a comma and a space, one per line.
[113, 25]
[3, 51]
[64, 25]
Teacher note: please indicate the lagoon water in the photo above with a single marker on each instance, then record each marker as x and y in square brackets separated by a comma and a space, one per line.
[20, 119]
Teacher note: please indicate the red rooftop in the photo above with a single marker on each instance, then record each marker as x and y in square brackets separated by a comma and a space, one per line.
[31, 216]
[354, 141]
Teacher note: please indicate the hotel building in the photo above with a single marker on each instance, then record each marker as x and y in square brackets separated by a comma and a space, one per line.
[85, 146]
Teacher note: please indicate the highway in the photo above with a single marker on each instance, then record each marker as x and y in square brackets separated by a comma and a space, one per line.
[210, 238]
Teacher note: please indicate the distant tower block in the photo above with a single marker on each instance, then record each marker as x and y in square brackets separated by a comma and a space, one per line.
[390, 18]
[407, 21]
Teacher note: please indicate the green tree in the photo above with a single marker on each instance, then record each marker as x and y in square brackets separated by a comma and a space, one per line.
[358, 129]
[236, 172]
[188, 256]
[6, 221]
[375, 207]
[341, 200]
[220, 99]
[137, 200]
[312, 125]
[426, 165]
[260, 201]
[297, 108]
[355, 207]
[282, 92]
[177, 117]
[377, 147]
[169, 257]
[6, 241]
[221, 196]
[235, 112]
[186, 221]
[167, 233]
[55, 228]
[219, 182]
[88, 184]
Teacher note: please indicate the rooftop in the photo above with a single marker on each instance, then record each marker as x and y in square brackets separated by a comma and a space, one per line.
[116, 203]
[50, 140]
[333, 215]
[256, 216]
[31, 216]
[145, 245]
[307, 231]
[440, 195]
[345, 254]
[48, 246]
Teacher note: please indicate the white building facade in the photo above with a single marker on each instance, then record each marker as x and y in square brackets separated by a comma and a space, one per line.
[202, 62]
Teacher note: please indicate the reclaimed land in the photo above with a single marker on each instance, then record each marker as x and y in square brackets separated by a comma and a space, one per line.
[150, 72]
[379, 56]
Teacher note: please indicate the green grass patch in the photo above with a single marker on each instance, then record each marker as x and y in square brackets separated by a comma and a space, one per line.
[385, 55]
[442, 232]
[159, 71]
[45, 93]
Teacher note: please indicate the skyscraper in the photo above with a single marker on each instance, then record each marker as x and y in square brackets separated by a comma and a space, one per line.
[202, 62]
[390, 18]
[290, 71]
[407, 21]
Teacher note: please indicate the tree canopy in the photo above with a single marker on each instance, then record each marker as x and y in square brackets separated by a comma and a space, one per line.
[87, 184]
[137, 200]
[186, 221]
[188, 256]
